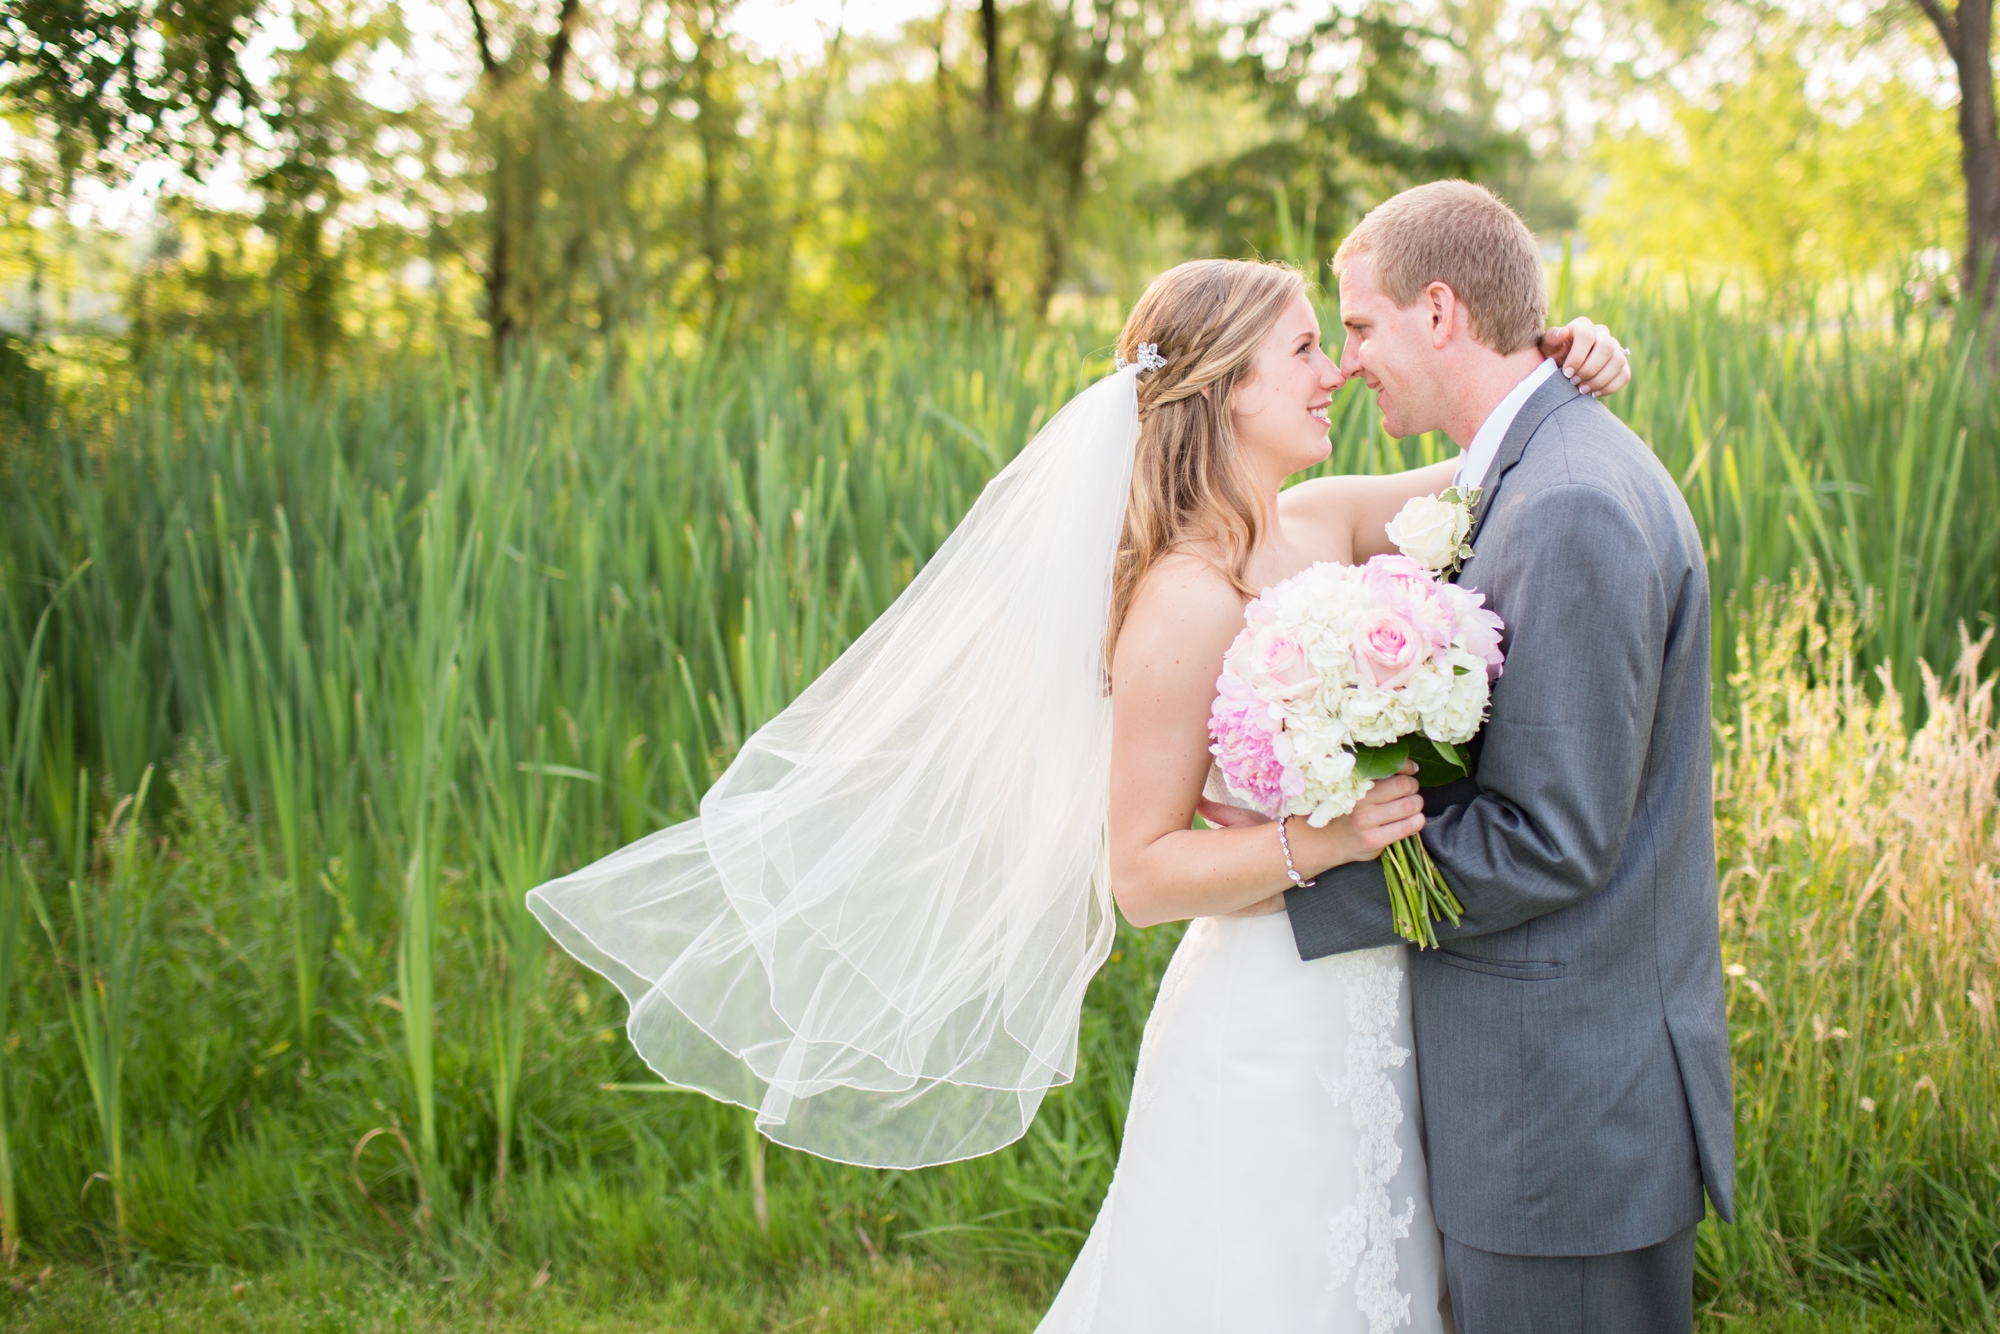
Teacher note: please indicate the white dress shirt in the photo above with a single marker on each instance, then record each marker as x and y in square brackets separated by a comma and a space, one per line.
[1478, 456]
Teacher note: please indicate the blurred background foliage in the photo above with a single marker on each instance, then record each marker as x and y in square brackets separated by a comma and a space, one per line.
[392, 176]
[434, 435]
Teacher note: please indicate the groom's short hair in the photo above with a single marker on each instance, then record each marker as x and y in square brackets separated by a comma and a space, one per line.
[1461, 235]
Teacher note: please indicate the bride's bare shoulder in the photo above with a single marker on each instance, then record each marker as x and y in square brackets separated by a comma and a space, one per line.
[1187, 582]
[1185, 610]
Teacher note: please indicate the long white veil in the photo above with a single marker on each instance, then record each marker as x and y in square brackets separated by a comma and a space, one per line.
[879, 931]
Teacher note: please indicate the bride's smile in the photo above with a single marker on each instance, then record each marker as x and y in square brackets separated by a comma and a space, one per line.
[1281, 408]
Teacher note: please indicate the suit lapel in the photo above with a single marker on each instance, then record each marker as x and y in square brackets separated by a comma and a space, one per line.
[1555, 392]
[1552, 395]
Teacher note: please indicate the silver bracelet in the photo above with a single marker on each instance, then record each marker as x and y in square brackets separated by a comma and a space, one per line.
[1285, 846]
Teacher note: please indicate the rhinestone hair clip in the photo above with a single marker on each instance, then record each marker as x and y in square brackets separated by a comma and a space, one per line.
[1149, 358]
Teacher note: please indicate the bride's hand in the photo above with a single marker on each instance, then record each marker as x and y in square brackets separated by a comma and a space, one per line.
[1393, 808]
[1594, 361]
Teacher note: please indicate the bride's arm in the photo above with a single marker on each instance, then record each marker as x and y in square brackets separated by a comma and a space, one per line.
[1163, 681]
[1342, 518]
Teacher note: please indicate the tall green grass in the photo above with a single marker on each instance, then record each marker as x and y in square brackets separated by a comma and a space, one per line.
[403, 649]
[107, 937]
[1866, 444]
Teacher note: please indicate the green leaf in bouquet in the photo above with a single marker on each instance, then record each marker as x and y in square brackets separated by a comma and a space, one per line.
[1381, 761]
[1438, 762]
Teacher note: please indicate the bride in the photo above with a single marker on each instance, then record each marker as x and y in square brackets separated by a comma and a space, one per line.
[878, 932]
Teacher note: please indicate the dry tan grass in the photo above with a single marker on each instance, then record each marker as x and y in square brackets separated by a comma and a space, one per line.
[1860, 923]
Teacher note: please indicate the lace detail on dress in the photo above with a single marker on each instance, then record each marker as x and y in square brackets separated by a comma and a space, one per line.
[1361, 1240]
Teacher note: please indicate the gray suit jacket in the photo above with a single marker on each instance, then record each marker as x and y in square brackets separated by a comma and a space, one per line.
[1572, 1049]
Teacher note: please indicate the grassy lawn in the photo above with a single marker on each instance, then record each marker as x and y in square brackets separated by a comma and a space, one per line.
[891, 1299]
[886, 1299]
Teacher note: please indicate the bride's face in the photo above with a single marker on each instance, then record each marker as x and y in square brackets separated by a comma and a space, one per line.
[1280, 408]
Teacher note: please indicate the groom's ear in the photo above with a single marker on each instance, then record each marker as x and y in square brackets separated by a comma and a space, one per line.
[1442, 306]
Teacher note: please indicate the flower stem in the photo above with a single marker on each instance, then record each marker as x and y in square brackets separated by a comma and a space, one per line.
[1418, 894]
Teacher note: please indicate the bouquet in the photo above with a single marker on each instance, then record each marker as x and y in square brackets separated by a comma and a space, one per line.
[1342, 674]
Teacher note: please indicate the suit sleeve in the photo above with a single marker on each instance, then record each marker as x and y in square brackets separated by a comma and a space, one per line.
[1564, 747]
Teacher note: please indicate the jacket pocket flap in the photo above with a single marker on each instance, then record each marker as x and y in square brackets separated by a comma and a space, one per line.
[1521, 970]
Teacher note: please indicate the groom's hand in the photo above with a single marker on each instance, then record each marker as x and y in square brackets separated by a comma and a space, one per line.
[1589, 356]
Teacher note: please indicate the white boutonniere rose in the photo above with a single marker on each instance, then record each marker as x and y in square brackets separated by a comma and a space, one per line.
[1434, 530]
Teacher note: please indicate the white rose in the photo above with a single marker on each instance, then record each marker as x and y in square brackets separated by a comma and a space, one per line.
[1321, 734]
[1430, 531]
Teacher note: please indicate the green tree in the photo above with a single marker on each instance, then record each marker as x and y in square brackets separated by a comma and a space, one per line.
[153, 77]
[978, 181]
[1358, 110]
[1767, 182]
[1684, 35]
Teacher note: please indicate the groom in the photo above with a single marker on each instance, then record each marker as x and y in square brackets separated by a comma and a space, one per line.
[1571, 1043]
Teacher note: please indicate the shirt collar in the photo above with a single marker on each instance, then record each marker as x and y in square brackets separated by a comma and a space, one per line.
[1478, 456]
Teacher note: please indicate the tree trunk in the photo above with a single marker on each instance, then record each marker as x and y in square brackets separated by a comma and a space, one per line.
[1979, 148]
[499, 262]
[1968, 38]
[1059, 222]
[513, 192]
[499, 225]
[707, 116]
[989, 30]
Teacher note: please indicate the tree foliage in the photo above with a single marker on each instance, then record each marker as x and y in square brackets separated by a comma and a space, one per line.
[1780, 162]
[153, 77]
[1362, 109]
[1768, 182]
[570, 167]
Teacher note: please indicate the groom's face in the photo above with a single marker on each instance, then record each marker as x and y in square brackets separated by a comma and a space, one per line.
[1393, 350]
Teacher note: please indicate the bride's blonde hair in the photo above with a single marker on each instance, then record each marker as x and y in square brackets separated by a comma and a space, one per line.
[1208, 317]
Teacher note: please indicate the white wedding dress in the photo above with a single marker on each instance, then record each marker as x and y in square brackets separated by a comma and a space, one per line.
[1272, 1174]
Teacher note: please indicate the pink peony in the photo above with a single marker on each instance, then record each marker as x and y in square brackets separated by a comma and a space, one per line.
[1273, 664]
[1399, 570]
[1401, 585]
[1477, 629]
[1388, 649]
[1245, 731]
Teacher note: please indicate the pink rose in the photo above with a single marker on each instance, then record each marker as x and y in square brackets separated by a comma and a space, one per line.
[1400, 584]
[1388, 650]
[1272, 663]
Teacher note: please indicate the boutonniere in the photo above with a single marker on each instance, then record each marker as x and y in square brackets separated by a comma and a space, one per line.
[1436, 531]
